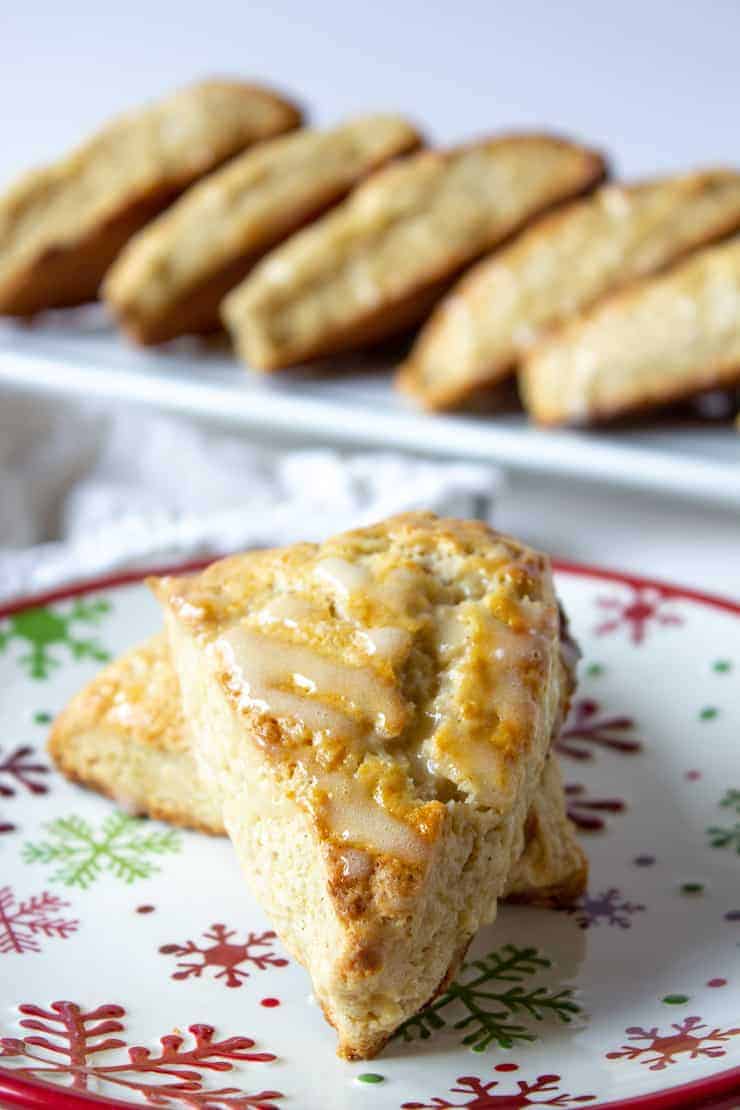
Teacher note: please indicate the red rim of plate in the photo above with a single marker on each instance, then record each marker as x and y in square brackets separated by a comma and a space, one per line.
[706, 1093]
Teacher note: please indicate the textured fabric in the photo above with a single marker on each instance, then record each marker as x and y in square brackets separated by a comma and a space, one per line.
[85, 491]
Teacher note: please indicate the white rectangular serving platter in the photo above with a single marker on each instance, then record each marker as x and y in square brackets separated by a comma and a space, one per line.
[79, 352]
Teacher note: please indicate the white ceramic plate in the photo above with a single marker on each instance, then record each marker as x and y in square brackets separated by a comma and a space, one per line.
[78, 352]
[135, 967]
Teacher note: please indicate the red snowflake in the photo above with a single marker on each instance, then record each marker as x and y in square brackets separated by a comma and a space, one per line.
[646, 605]
[23, 924]
[21, 772]
[609, 906]
[662, 1049]
[6, 827]
[586, 724]
[225, 954]
[585, 811]
[483, 1099]
[79, 1036]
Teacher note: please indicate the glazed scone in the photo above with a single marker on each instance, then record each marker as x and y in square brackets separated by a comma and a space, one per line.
[171, 278]
[374, 714]
[376, 264]
[662, 340]
[125, 736]
[479, 333]
[62, 225]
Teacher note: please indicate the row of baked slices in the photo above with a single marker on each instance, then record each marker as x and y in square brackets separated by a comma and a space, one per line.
[216, 207]
[371, 720]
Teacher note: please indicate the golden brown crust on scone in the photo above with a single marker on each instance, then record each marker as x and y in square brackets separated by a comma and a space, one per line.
[375, 715]
[377, 263]
[173, 276]
[564, 263]
[61, 226]
[658, 341]
[125, 736]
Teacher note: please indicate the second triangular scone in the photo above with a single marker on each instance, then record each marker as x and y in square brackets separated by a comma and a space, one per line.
[374, 714]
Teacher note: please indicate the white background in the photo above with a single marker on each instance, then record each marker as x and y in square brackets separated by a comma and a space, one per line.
[656, 84]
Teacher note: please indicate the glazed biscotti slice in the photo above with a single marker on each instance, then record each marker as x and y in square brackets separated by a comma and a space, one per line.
[662, 340]
[483, 328]
[171, 278]
[125, 736]
[374, 714]
[61, 226]
[376, 264]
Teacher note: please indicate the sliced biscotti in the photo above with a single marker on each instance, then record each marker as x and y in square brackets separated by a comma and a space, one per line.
[662, 340]
[171, 278]
[124, 735]
[479, 333]
[377, 263]
[61, 226]
[374, 714]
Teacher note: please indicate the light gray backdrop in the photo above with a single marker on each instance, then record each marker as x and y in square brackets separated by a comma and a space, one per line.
[657, 83]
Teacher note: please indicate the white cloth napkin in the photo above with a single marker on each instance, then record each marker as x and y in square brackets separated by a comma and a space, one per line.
[85, 491]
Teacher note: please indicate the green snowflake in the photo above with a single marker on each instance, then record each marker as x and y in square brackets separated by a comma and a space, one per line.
[41, 628]
[487, 1011]
[727, 836]
[121, 847]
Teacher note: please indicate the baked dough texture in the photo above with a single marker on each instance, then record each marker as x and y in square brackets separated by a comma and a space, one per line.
[62, 225]
[125, 736]
[171, 278]
[377, 264]
[662, 340]
[374, 714]
[479, 333]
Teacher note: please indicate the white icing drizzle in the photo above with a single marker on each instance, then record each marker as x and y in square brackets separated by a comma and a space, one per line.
[287, 609]
[356, 818]
[356, 864]
[342, 576]
[386, 643]
[291, 680]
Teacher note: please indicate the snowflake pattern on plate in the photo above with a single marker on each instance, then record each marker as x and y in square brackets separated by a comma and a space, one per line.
[23, 923]
[727, 836]
[690, 1038]
[488, 1014]
[646, 606]
[585, 811]
[19, 771]
[609, 907]
[78, 1036]
[586, 728]
[42, 629]
[482, 1097]
[122, 847]
[225, 953]
[486, 1011]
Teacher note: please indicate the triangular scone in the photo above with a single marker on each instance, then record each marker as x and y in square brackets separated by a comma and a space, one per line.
[171, 278]
[124, 735]
[661, 340]
[375, 714]
[376, 264]
[62, 225]
[479, 333]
